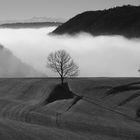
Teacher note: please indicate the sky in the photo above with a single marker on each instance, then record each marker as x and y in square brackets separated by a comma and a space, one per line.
[26, 9]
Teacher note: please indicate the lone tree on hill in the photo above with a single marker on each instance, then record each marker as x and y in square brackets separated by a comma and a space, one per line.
[62, 63]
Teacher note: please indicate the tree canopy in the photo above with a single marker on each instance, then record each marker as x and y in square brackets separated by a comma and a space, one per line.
[62, 63]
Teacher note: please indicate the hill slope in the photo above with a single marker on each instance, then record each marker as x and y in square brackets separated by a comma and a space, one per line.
[12, 66]
[115, 21]
[97, 114]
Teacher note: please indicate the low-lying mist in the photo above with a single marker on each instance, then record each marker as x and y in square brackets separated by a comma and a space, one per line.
[96, 56]
[11, 66]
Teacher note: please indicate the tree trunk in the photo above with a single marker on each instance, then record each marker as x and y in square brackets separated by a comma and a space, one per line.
[62, 80]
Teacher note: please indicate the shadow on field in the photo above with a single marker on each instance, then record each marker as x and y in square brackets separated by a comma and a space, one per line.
[59, 92]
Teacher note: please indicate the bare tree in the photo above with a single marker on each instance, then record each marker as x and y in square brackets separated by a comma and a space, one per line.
[62, 63]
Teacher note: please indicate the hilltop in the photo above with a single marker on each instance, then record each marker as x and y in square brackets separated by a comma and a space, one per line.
[115, 21]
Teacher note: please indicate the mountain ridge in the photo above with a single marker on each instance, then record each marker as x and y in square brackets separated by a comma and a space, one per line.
[114, 21]
[29, 24]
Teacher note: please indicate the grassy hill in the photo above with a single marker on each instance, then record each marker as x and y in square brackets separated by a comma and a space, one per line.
[115, 21]
[100, 109]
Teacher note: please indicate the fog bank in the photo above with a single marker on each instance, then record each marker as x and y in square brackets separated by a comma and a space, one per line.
[96, 56]
[11, 66]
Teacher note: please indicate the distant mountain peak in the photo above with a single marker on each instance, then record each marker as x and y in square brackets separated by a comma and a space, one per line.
[34, 19]
[45, 19]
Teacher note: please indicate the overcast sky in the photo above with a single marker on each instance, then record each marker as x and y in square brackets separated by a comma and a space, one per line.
[24, 9]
